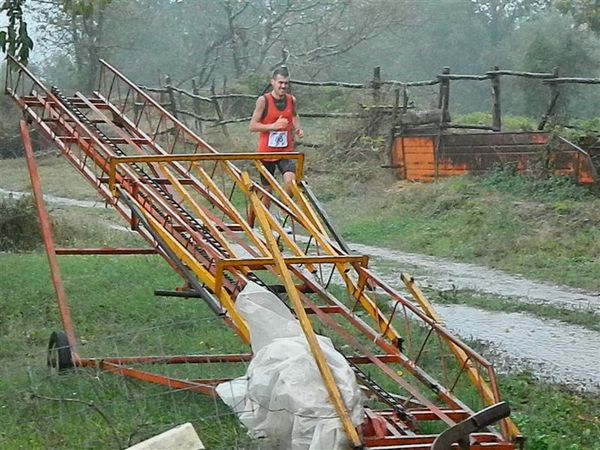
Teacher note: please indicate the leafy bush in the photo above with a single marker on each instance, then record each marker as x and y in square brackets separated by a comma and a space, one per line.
[532, 185]
[509, 123]
[18, 225]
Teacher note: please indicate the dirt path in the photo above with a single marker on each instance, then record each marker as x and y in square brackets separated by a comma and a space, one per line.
[446, 275]
[551, 350]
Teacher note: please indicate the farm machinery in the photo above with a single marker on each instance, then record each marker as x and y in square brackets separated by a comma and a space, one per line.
[425, 388]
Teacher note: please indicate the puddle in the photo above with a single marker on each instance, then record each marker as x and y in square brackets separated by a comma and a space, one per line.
[553, 351]
[447, 275]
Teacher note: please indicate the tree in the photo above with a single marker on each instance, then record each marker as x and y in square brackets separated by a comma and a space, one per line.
[585, 12]
[503, 16]
[15, 40]
[77, 28]
[541, 45]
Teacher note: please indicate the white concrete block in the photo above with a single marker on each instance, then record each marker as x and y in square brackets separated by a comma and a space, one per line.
[182, 437]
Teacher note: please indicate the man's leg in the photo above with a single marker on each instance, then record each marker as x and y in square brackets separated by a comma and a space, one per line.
[288, 179]
[264, 198]
[288, 169]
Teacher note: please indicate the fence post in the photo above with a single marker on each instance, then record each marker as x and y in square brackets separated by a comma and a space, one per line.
[396, 106]
[554, 93]
[161, 96]
[444, 95]
[376, 84]
[443, 104]
[404, 100]
[218, 108]
[171, 97]
[496, 106]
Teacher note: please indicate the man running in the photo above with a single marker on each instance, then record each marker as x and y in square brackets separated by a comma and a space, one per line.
[277, 123]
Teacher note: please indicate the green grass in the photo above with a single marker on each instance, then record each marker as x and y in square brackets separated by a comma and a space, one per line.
[551, 418]
[114, 313]
[57, 177]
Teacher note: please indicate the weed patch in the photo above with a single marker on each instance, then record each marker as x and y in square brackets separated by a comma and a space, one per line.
[18, 224]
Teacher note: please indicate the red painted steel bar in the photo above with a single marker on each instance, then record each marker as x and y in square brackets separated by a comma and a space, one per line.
[46, 231]
[106, 251]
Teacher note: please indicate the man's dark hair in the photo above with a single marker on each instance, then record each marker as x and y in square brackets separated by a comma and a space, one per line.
[281, 70]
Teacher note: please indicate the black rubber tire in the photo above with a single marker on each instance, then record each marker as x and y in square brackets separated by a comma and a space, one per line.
[59, 353]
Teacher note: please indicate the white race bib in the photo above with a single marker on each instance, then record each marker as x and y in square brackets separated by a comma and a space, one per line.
[278, 139]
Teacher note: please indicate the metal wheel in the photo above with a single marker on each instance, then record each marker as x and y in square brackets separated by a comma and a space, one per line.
[59, 352]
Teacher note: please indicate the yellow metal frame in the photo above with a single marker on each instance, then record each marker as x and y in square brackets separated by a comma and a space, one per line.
[115, 161]
[487, 393]
[330, 384]
[314, 227]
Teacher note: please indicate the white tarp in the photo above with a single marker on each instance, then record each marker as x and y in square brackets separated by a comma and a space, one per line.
[282, 397]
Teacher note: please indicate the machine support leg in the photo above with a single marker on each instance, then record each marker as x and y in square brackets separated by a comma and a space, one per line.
[46, 232]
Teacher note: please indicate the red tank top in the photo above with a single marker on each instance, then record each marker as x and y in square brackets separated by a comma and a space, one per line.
[277, 141]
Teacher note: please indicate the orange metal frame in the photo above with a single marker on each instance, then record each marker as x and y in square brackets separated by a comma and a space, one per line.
[161, 178]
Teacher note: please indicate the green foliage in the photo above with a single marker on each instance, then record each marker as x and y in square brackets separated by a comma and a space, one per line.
[328, 99]
[15, 41]
[18, 224]
[84, 7]
[509, 122]
[529, 185]
[583, 11]
[543, 43]
[567, 422]
[252, 83]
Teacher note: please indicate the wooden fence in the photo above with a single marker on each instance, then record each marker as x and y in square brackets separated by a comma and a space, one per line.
[209, 108]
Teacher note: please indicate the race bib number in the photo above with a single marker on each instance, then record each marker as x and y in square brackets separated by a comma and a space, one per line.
[278, 139]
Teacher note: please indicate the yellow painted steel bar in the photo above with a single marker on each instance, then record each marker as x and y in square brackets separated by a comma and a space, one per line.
[291, 244]
[201, 272]
[117, 160]
[384, 326]
[197, 209]
[328, 380]
[222, 264]
[325, 259]
[488, 394]
[304, 205]
[231, 210]
[299, 215]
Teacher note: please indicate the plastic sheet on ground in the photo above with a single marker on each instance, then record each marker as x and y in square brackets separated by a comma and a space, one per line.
[282, 397]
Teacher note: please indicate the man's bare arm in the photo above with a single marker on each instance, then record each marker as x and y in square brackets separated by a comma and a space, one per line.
[296, 122]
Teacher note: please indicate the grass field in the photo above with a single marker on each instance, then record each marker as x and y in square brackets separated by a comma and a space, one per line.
[115, 314]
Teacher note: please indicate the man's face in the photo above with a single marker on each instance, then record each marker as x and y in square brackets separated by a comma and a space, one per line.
[280, 84]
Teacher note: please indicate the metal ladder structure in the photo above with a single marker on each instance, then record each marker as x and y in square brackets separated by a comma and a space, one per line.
[189, 202]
